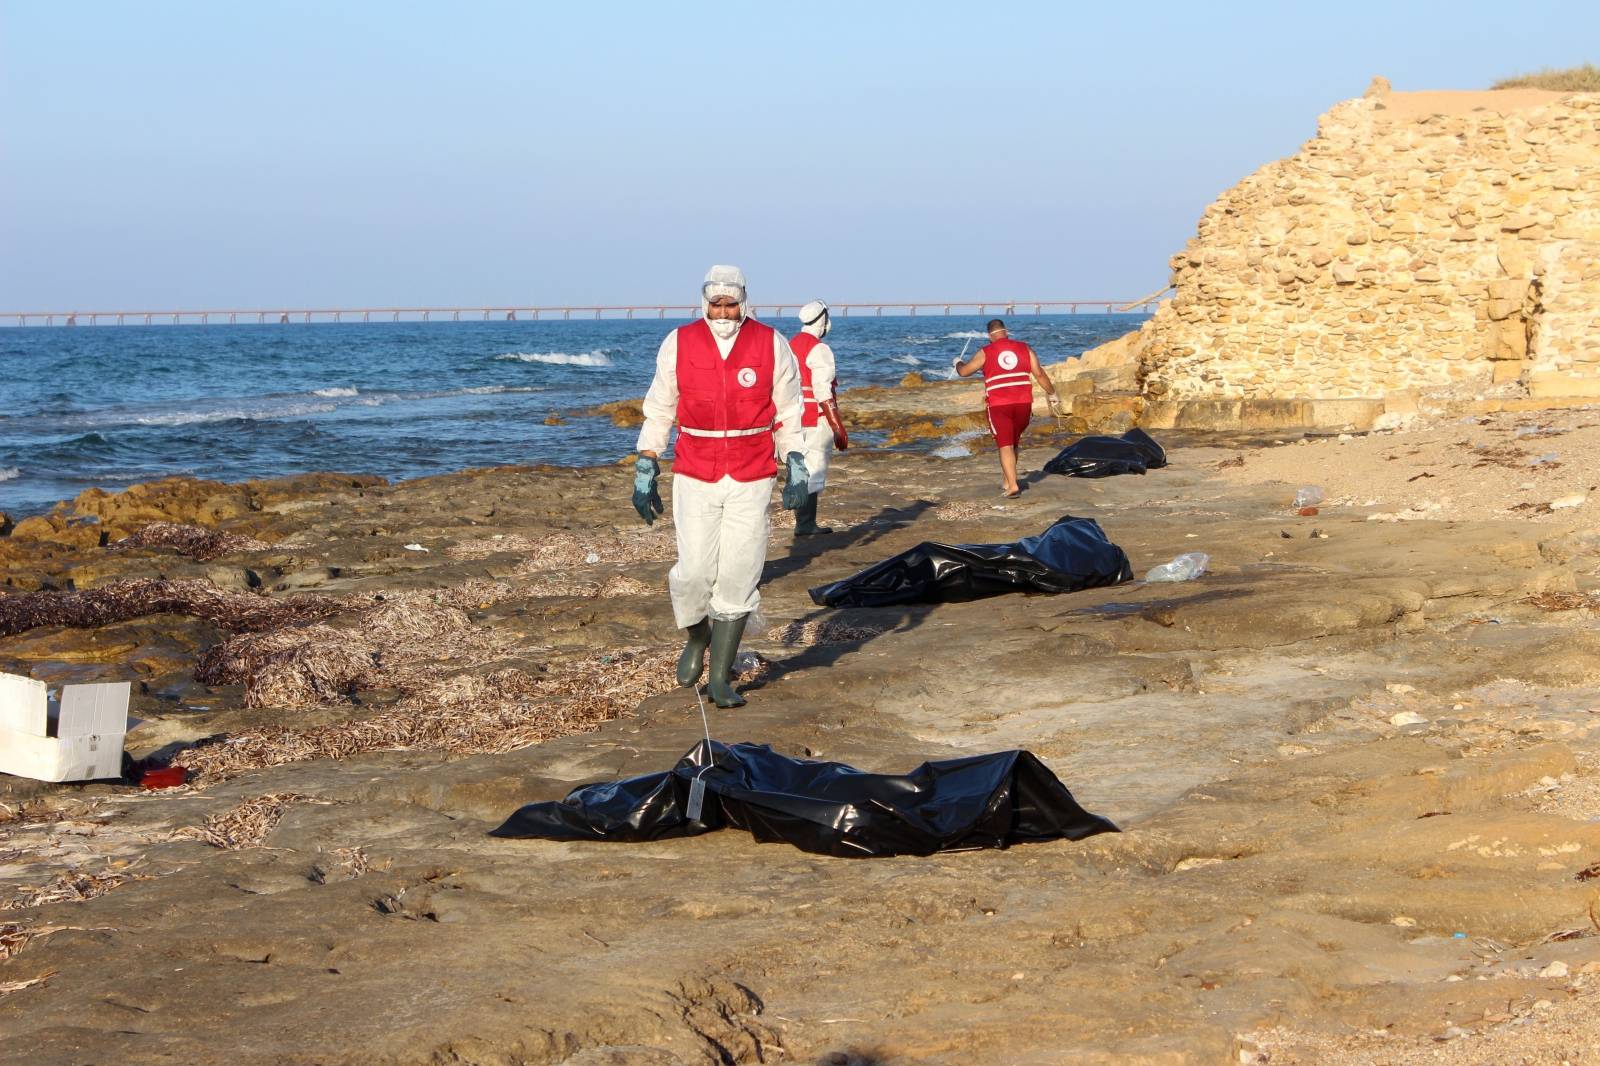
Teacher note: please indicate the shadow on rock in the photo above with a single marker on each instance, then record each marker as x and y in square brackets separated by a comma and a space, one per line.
[805, 549]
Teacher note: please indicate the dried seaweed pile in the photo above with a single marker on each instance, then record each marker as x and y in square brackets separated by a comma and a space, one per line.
[123, 600]
[8, 987]
[623, 585]
[14, 936]
[402, 642]
[466, 714]
[781, 519]
[483, 548]
[70, 886]
[295, 668]
[960, 512]
[560, 551]
[244, 826]
[476, 592]
[351, 863]
[196, 542]
[1555, 600]
[563, 550]
[616, 585]
[799, 634]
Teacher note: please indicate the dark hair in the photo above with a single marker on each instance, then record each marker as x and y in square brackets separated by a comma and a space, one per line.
[994, 324]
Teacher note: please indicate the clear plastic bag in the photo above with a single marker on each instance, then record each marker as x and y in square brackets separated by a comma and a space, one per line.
[1307, 496]
[1185, 567]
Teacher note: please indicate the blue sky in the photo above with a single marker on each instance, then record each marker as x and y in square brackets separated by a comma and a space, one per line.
[339, 154]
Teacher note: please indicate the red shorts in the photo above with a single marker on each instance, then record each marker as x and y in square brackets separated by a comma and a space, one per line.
[1007, 421]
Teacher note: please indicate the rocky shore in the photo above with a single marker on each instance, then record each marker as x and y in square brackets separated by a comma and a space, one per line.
[1356, 767]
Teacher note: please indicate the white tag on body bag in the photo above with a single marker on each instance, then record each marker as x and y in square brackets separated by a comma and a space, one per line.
[697, 798]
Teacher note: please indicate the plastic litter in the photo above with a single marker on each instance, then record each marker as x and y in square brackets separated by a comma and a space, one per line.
[415, 548]
[1548, 457]
[164, 777]
[1132, 453]
[1072, 554]
[1307, 496]
[982, 801]
[1185, 567]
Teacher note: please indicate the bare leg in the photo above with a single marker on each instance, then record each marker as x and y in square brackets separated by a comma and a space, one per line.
[1008, 468]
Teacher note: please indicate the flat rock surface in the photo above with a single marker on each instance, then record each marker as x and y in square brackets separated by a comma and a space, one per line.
[1356, 775]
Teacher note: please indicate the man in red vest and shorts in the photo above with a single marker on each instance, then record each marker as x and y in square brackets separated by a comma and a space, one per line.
[1009, 370]
[731, 385]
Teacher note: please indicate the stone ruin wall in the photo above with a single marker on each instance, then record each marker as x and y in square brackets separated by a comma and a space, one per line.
[1392, 254]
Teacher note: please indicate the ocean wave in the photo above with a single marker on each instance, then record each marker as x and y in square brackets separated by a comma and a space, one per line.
[290, 406]
[964, 335]
[137, 476]
[909, 360]
[231, 414]
[10, 472]
[597, 357]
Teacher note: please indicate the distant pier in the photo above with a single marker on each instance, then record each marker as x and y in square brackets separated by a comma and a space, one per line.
[286, 316]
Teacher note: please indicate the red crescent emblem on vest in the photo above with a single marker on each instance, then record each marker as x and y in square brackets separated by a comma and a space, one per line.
[747, 377]
[1008, 360]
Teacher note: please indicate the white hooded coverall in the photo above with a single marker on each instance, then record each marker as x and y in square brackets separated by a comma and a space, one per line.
[819, 438]
[722, 527]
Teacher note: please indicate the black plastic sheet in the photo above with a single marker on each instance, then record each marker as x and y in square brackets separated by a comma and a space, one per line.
[1072, 554]
[984, 801]
[1132, 453]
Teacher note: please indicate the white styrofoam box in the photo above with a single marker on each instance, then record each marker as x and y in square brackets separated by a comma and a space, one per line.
[91, 724]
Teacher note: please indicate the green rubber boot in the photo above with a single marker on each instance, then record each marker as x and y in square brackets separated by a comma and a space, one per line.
[692, 663]
[805, 518]
[725, 636]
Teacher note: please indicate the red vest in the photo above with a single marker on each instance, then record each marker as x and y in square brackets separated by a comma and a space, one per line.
[725, 408]
[801, 344]
[1007, 384]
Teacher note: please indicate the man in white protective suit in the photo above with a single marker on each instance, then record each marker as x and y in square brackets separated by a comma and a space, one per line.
[732, 386]
[820, 423]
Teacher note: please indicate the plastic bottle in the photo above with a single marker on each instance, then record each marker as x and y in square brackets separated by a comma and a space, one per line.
[1307, 496]
[1185, 567]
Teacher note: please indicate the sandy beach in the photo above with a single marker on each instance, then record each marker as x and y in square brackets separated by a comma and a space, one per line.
[1355, 767]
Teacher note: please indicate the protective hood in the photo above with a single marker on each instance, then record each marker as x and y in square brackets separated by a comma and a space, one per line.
[815, 319]
[724, 281]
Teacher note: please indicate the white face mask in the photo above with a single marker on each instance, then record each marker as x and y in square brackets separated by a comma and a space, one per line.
[723, 328]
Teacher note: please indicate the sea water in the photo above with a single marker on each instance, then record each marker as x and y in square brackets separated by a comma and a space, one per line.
[112, 405]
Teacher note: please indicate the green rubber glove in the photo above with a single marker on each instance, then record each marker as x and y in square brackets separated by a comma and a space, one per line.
[646, 500]
[796, 489]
